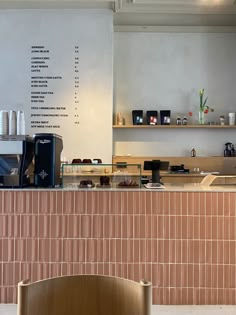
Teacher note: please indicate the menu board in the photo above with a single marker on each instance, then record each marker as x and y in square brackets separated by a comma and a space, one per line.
[57, 67]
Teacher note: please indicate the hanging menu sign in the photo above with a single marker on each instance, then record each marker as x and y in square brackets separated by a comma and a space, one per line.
[57, 67]
[44, 112]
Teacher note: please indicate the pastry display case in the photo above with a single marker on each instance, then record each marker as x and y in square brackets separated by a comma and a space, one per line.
[97, 176]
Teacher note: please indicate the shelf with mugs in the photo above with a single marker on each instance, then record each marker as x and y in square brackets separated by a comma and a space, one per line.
[206, 126]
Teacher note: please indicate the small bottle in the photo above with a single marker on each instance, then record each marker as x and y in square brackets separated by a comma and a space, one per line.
[178, 121]
[193, 152]
[185, 121]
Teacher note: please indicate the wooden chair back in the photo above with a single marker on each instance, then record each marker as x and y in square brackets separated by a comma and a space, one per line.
[84, 295]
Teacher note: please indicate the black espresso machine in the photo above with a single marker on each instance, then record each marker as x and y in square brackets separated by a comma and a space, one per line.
[16, 161]
[30, 161]
[48, 148]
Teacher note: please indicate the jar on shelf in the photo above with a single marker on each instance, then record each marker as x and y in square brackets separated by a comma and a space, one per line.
[178, 121]
[185, 121]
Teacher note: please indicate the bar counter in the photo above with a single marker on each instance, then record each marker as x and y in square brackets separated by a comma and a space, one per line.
[182, 239]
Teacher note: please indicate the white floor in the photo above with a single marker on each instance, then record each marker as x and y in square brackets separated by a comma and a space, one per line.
[10, 309]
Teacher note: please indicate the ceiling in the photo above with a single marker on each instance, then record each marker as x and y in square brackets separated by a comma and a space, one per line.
[146, 12]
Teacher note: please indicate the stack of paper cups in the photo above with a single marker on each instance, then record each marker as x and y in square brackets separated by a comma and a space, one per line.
[4, 122]
[231, 119]
[12, 123]
[20, 123]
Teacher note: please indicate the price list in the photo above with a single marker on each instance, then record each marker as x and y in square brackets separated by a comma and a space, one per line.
[54, 88]
[76, 86]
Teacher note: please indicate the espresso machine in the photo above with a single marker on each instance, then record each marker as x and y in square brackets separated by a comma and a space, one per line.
[16, 161]
[48, 148]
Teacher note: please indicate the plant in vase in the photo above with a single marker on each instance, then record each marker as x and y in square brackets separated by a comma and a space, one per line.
[203, 109]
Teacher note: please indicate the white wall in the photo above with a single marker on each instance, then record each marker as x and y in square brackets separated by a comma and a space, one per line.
[166, 71]
[86, 129]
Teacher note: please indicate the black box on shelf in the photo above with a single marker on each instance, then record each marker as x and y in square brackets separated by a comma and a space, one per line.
[137, 116]
[165, 117]
[151, 116]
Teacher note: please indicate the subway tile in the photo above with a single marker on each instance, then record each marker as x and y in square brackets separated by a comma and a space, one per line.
[56, 250]
[137, 207]
[110, 225]
[220, 252]
[106, 250]
[226, 276]
[191, 205]
[166, 203]
[202, 227]
[166, 227]
[154, 252]
[179, 296]
[184, 203]
[182, 275]
[172, 300]
[144, 228]
[190, 275]
[32, 250]
[44, 251]
[178, 203]
[136, 272]
[214, 252]
[196, 251]
[55, 270]
[190, 227]
[99, 248]
[137, 250]
[154, 226]
[43, 226]
[172, 224]
[184, 299]
[151, 203]
[220, 203]
[143, 250]
[202, 276]
[184, 227]
[226, 228]
[193, 296]
[26, 270]
[196, 273]
[124, 250]
[166, 249]
[123, 202]
[155, 275]
[209, 205]
[26, 225]
[226, 204]
[232, 204]
[202, 251]
[169, 272]
[112, 250]
[208, 227]
[232, 252]
[8, 274]
[8, 203]
[97, 227]
[154, 206]
[160, 227]
[35, 202]
[17, 273]
[8, 246]
[182, 251]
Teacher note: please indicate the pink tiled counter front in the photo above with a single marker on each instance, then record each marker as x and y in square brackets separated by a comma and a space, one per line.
[184, 242]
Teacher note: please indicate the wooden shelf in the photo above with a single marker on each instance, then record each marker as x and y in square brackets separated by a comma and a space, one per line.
[173, 126]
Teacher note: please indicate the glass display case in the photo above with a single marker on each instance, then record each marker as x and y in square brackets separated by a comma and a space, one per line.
[96, 176]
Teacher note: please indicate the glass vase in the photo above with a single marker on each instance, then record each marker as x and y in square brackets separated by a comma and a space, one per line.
[201, 118]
